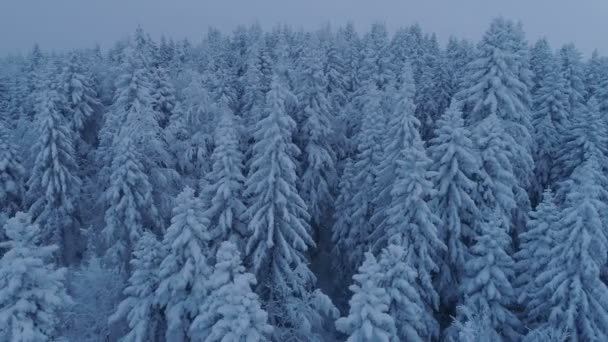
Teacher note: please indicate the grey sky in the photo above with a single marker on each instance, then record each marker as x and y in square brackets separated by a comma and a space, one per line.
[65, 24]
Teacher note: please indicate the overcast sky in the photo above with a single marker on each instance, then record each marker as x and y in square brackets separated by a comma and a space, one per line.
[65, 24]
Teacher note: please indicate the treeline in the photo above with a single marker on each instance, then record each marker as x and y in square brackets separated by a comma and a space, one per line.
[305, 186]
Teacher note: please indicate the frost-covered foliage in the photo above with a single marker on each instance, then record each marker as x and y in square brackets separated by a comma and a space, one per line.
[489, 273]
[131, 210]
[278, 220]
[401, 131]
[534, 256]
[368, 319]
[365, 173]
[572, 71]
[496, 188]
[457, 168]
[301, 151]
[184, 270]
[414, 322]
[32, 289]
[473, 324]
[223, 193]
[550, 119]
[495, 86]
[585, 138]
[54, 185]
[82, 100]
[11, 174]
[140, 306]
[231, 311]
[318, 173]
[407, 218]
[571, 291]
[96, 290]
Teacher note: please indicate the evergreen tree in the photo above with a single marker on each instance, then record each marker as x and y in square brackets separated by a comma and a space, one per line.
[32, 290]
[366, 162]
[163, 94]
[344, 207]
[458, 53]
[318, 172]
[278, 221]
[495, 85]
[232, 311]
[550, 121]
[596, 70]
[533, 258]
[541, 58]
[573, 74]
[488, 275]
[407, 218]
[224, 207]
[54, 186]
[184, 270]
[457, 168]
[130, 210]
[473, 324]
[401, 129]
[140, 306]
[82, 100]
[368, 319]
[496, 187]
[585, 137]
[11, 175]
[412, 320]
[572, 293]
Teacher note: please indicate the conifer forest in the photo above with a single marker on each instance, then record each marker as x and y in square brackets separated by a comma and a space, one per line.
[293, 185]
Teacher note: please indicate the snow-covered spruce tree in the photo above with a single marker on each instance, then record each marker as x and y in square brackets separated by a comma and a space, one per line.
[376, 59]
[131, 210]
[317, 166]
[494, 86]
[278, 220]
[550, 120]
[132, 114]
[546, 334]
[184, 270]
[54, 186]
[585, 136]
[400, 132]
[472, 324]
[533, 259]
[412, 320]
[190, 129]
[596, 70]
[82, 100]
[407, 218]
[223, 194]
[459, 54]
[457, 167]
[369, 318]
[542, 62]
[231, 311]
[32, 290]
[366, 162]
[343, 212]
[140, 306]
[573, 73]
[488, 275]
[602, 95]
[571, 291]
[97, 290]
[11, 175]
[163, 94]
[496, 187]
